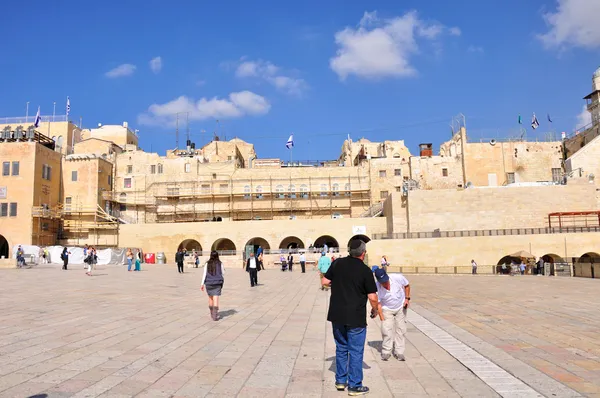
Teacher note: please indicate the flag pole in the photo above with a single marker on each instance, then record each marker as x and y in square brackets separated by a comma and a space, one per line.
[27, 112]
[53, 110]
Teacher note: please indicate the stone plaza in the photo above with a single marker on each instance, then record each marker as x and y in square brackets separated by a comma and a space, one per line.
[149, 334]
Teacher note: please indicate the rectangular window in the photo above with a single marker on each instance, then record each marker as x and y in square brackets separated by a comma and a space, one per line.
[68, 201]
[555, 174]
[160, 169]
[205, 188]
[110, 181]
[74, 175]
[153, 169]
[510, 178]
[383, 194]
[46, 172]
[382, 173]
[398, 172]
[127, 182]
[13, 209]
[3, 209]
[129, 169]
[45, 226]
[188, 167]
[5, 168]
[15, 168]
[122, 207]
[444, 172]
[229, 157]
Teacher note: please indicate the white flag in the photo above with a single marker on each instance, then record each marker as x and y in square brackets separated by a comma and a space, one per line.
[68, 107]
[38, 118]
[290, 142]
[534, 122]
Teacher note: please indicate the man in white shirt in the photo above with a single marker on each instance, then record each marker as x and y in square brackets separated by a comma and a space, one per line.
[394, 296]
[253, 265]
[473, 267]
[303, 262]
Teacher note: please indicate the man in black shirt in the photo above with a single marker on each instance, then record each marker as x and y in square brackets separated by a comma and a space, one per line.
[179, 258]
[352, 283]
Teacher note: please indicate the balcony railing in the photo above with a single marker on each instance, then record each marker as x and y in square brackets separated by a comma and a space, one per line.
[484, 232]
[31, 119]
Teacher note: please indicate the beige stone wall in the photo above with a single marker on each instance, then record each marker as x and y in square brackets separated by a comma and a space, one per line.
[119, 134]
[429, 172]
[98, 147]
[92, 179]
[166, 238]
[64, 134]
[485, 250]
[395, 211]
[354, 152]
[495, 208]
[587, 159]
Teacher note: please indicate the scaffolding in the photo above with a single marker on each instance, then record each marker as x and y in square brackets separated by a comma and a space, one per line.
[571, 220]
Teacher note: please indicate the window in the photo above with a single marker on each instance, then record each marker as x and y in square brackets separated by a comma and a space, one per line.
[347, 189]
[247, 192]
[173, 191]
[279, 190]
[510, 178]
[444, 172]
[5, 168]
[68, 201]
[259, 190]
[45, 226]
[122, 207]
[555, 173]
[15, 168]
[129, 169]
[304, 191]
[383, 194]
[127, 182]
[223, 188]
[160, 169]
[153, 169]
[382, 173]
[74, 175]
[397, 172]
[13, 209]
[292, 190]
[188, 167]
[229, 157]
[205, 188]
[122, 197]
[46, 172]
[336, 189]
[3, 209]
[324, 190]
[110, 181]
[398, 189]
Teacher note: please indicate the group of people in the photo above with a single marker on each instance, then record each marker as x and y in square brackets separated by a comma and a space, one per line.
[289, 263]
[352, 285]
[134, 259]
[90, 257]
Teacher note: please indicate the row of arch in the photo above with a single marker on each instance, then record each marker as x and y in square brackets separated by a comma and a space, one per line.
[290, 242]
[589, 257]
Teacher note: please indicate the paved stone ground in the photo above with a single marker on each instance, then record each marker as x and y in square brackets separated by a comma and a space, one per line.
[148, 334]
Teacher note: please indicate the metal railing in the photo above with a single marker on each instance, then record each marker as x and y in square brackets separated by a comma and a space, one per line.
[484, 232]
[31, 119]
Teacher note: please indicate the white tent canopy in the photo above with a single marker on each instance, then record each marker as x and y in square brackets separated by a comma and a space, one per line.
[105, 256]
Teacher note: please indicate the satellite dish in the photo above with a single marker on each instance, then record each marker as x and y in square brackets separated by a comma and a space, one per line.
[492, 142]
[469, 184]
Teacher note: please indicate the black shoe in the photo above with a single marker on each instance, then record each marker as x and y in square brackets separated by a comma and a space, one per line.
[362, 390]
[340, 386]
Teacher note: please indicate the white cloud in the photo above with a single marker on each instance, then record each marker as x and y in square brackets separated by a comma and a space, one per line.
[238, 104]
[574, 23]
[121, 71]
[272, 74]
[200, 83]
[475, 49]
[584, 118]
[156, 64]
[381, 48]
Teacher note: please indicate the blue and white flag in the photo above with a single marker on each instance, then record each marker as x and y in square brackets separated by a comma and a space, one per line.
[534, 122]
[68, 106]
[290, 142]
[38, 118]
[549, 119]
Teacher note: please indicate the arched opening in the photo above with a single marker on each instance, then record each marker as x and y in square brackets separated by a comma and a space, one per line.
[190, 245]
[590, 258]
[552, 258]
[364, 238]
[255, 243]
[3, 247]
[224, 245]
[326, 240]
[291, 242]
[507, 262]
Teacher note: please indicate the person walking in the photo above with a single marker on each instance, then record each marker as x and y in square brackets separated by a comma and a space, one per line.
[323, 266]
[213, 279]
[290, 261]
[352, 284]
[65, 257]
[138, 261]
[522, 267]
[303, 262]
[196, 259]
[91, 260]
[129, 259]
[473, 267]
[253, 265]
[179, 260]
[46, 256]
[384, 262]
[393, 292]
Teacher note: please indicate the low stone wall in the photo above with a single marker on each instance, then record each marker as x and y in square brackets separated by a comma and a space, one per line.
[444, 270]
[587, 270]
[8, 263]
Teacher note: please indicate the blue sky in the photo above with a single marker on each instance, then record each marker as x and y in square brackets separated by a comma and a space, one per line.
[322, 70]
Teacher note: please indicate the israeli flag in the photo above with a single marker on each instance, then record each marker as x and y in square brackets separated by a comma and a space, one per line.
[534, 122]
[68, 106]
[290, 142]
[38, 118]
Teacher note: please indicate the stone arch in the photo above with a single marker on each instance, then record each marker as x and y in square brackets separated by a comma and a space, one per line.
[4, 252]
[256, 242]
[364, 238]
[190, 245]
[505, 260]
[589, 257]
[291, 242]
[224, 245]
[552, 258]
[328, 240]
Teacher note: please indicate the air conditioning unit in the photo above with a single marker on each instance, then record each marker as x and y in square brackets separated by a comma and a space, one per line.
[336, 216]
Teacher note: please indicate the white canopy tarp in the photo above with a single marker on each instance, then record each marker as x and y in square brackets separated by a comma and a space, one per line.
[105, 256]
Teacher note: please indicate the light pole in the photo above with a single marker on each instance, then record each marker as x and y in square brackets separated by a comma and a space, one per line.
[53, 110]
[26, 111]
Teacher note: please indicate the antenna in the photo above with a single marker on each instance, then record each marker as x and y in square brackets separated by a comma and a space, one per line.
[187, 122]
[177, 130]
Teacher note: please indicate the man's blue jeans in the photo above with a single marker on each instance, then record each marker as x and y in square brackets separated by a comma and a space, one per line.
[349, 351]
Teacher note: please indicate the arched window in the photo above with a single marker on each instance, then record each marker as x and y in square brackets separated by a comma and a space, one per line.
[304, 191]
[259, 190]
[160, 168]
[347, 189]
[247, 192]
[292, 191]
[123, 197]
[279, 192]
[336, 189]
[323, 190]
